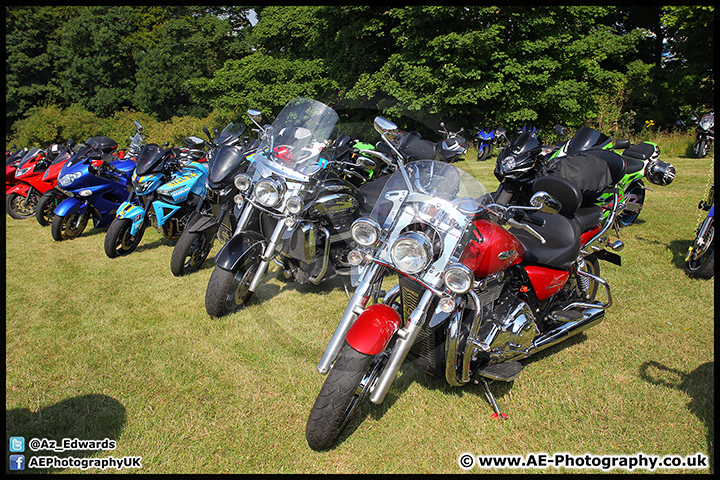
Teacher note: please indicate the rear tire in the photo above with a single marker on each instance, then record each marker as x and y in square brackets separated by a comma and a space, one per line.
[68, 227]
[635, 195]
[118, 239]
[190, 252]
[338, 397]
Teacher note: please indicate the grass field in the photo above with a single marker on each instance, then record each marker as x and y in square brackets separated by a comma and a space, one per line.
[120, 349]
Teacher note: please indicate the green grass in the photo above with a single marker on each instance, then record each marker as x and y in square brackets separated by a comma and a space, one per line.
[99, 348]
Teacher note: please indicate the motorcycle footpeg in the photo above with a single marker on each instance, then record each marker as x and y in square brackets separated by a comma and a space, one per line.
[506, 371]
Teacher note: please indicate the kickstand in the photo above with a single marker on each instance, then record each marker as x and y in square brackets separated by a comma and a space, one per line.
[345, 287]
[491, 400]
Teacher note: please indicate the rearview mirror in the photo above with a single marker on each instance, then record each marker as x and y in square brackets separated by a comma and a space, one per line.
[385, 126]
[255, 115]
[138, 127]
[546, 202]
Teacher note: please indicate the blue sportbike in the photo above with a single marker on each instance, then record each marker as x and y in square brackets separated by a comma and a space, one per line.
[167, 186]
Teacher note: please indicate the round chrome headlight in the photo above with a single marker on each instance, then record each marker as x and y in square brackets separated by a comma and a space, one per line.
[458, 278]
[268, 193]
[243, 182]
[294, 205]
[365, 231]
[412, 252]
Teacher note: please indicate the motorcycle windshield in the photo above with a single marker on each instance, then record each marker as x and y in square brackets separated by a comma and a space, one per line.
[291, 145]
[80, 155]
[29, 156]
[586, 138]
[230, 133]
[426, 209]
[227, 162]
[149, 160]
[137, 142]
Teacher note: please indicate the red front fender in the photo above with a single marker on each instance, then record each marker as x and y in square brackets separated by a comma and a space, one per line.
[373, 329]
[20, 189]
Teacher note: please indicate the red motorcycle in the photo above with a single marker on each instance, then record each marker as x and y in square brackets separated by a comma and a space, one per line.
[11, 163]
[45, 210]
[22, 199]
[480, 285]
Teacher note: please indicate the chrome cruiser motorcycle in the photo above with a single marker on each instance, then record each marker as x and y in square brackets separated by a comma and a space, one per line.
[472, 298]
[296, 209]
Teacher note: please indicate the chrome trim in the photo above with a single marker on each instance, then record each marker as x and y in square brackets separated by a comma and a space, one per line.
[469, 346]
[593, 305]
[267, 255]
[326, 258]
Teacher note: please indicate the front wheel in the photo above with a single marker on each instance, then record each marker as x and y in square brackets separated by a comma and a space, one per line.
[227, 290]
[190, 252]
[701, 261]
[45, 211]
[702, 148]
[118, 239]
[345, 386]
[19, 207]
[68, 227]
[483, 153]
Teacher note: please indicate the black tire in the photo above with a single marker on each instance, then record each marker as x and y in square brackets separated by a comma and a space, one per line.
[701, 263]
[190, 252]
[483, 153]
[16, 207]
[45, 211]
[118, 239]
[68, 227]
[338, 397]
[702, 148]
[636, 195]
[227, 291]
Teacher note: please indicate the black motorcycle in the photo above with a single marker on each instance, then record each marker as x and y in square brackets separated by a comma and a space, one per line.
[215, 214]
[296, 208]
[705, 133]
[700, 259]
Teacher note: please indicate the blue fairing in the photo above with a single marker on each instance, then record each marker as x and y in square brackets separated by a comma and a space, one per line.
[70, 206]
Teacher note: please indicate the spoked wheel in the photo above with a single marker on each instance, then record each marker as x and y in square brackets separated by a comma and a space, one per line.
[118, 239]
[67, 227]
[702, 148]
[634, 200]
[17, 206]
[227, 290]
[45, 211]
[190, 252]
[701, 261]
[346, 386]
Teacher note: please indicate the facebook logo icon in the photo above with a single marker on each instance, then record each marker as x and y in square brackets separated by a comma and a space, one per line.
[17, 462]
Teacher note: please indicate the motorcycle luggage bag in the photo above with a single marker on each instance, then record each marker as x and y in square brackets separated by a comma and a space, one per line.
[104, 144]
[591, 173]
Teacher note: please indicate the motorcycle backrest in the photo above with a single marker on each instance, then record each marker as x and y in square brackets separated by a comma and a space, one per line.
[562, 189]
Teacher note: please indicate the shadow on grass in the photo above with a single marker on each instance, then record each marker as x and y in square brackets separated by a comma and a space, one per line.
[698, 385]
[679, 249]
[88, 417]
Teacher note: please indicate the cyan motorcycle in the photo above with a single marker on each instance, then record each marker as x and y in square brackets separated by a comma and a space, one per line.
[167, 185]
[87, 194]
[700, 259]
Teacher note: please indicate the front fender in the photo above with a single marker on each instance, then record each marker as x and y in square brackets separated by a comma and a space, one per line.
[70, 206]
[373, 329]
[135, 213]
[199, 223]
[239, 248]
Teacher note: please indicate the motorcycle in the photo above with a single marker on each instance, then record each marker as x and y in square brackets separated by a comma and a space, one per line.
[705, 133]
[21, 199]
[87, 194]
[414, 147]
[45, 211]
[11, 163]
[589, 160]
[472, 299]
[167, 185]
[486, 141]
[216, 212]
[296, 208]
[700, 259]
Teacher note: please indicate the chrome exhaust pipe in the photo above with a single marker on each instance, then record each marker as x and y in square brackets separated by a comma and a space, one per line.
[591, 317]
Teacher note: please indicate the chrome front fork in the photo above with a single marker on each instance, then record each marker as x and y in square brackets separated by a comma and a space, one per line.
[268, 254]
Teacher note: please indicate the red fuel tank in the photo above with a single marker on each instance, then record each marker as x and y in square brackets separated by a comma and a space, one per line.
[493, 249]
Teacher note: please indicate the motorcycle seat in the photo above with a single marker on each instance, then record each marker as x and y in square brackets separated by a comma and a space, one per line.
[562, 241]
[633, 164]
[588, 217]
[643, 151]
